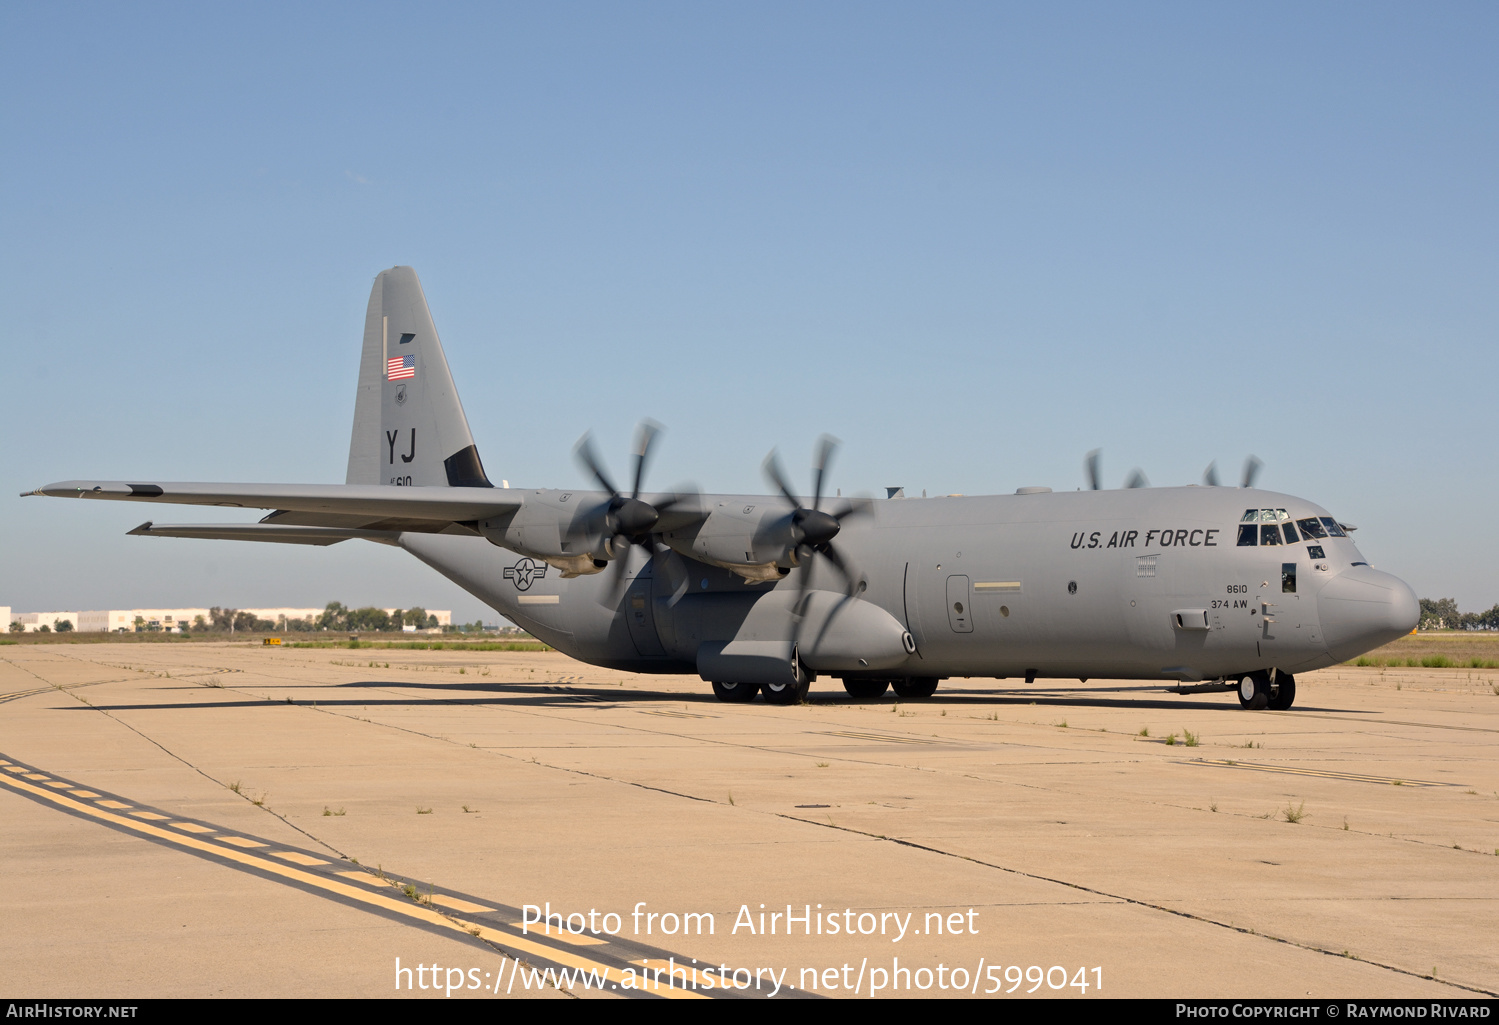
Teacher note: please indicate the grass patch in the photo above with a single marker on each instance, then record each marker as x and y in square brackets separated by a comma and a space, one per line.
[1171, 740]
[1465, 649]
[1189, 738]
[1295, 814]
[423, 811]
[429, 645]
[1144, 731]
[334, 814]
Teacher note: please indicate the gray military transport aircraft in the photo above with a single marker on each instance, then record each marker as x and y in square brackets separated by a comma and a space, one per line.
[1212, 588]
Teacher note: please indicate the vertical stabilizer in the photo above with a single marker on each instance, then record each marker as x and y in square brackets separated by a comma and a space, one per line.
[409, 427]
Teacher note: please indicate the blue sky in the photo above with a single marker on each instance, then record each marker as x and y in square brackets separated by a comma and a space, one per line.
[972, 241]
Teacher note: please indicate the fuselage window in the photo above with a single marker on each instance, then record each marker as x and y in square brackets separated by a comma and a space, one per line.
[1288, 577]
[1247, 533]
[1311, 528]
[1269, 534]
[1315, 552]
[1332, 527]
[1290, 529]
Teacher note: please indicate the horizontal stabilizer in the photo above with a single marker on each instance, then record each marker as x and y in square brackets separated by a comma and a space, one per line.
[262, 532]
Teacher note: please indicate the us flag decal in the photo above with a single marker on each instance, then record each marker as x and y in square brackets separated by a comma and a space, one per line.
[399, 367]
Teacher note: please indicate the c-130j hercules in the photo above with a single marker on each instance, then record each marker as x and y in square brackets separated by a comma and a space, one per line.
[1210, 587]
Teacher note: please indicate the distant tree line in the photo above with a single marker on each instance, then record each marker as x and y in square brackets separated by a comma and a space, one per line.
[336, 616]
[1443, 614]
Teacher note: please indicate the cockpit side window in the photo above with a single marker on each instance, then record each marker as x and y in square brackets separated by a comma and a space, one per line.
[1248, 532]
[1269, 534]
[1311, 527]
[1332, 527]
[1290, 529]
[1288, 578]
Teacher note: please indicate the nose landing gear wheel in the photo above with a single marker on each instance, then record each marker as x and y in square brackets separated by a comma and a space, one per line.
[1254, 691]
[1284, 692]
[737, 692]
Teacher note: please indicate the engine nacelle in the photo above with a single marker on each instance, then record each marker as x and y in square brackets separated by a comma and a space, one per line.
[755, 540]
[557, 528]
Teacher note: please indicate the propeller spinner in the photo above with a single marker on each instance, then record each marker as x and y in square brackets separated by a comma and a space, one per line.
[626, 521]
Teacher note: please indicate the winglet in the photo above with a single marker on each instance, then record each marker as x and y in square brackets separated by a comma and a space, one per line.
[144, 528]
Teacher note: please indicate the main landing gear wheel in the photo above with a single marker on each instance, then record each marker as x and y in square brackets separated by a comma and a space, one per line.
[1284, 692]
[735, 691]
[1254, 690]
[916, 687]
[865, 690]
[788, 693]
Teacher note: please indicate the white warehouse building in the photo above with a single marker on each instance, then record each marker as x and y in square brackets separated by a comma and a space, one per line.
[163, 620]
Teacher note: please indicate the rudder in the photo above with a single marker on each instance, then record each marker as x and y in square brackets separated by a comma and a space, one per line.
[409, 427]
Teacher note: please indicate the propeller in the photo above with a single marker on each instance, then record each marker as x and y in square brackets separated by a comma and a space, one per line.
[626, 521]
[1251, 471]
[1136, 477]
[1210, 475]
[812, 530]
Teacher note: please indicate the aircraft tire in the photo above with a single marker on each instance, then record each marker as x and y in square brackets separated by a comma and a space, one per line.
[736, 692]
[916, 687]
[786, 693]
[866, 690]
[1254, 690]
[1285, 692]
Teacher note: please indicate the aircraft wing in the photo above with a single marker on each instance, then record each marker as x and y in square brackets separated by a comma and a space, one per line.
[291, 535]
[371, 506]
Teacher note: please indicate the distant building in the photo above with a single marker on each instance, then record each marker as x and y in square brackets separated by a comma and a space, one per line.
[32, 622]
[166, 620]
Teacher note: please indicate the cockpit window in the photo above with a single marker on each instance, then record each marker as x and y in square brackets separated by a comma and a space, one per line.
[1311, 527]
[1251, 516]
[1290, 529]
[1248, 532]
[1269, 534]
[1332, 527]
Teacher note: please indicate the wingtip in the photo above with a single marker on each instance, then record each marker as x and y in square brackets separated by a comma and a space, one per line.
[144, 528]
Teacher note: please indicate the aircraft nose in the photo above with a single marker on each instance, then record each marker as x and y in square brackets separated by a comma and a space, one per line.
[1362, 608]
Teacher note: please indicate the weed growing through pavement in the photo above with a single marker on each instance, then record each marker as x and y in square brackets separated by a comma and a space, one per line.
[1189, 738]
[423, 811]
[1171, 740]
[1295, 814]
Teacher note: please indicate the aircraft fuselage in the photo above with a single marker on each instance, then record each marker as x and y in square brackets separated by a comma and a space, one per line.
[1135, 584]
